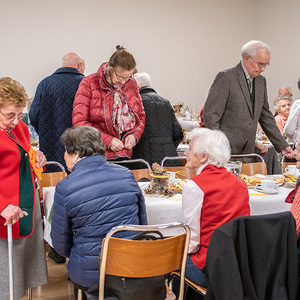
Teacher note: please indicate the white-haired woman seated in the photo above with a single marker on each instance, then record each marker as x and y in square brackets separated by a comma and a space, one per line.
[211, 198]
[282, 105]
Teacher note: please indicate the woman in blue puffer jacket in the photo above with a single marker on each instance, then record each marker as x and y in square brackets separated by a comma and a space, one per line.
[94, 198]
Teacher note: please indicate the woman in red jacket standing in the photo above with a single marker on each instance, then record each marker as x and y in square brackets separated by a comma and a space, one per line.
[19, 202]
[109, 100]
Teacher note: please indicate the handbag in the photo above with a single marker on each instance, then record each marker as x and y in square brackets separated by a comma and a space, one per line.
[126, 288]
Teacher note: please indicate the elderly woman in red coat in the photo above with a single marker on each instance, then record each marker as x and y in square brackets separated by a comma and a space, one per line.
[19, 203]
[109, 100]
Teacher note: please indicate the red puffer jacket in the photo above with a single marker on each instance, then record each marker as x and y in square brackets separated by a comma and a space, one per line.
[93, 104]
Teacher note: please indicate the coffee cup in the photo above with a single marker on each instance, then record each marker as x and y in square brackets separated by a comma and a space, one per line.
[292, 170]
[268, 185]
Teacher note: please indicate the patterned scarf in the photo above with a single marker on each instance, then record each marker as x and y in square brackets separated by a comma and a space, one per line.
[122, 116]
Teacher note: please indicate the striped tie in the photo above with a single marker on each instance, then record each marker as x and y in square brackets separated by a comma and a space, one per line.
[250, 85]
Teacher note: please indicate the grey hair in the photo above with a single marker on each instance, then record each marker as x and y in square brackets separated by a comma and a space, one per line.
[250, 48]
[143, 79]
[212, 142]
[286, 88]
[84, 140]
[281, 98]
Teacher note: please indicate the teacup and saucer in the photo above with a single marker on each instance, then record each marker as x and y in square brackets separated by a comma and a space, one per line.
[267, 186]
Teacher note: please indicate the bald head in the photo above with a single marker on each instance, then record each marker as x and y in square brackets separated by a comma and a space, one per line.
[73, 60]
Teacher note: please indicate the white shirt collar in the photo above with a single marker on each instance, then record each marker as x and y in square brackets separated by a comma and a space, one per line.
[200, 169]
[245, 71]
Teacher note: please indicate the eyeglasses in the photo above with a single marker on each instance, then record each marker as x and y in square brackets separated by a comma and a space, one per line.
[12, 117]
[122, 78]
[260, 64]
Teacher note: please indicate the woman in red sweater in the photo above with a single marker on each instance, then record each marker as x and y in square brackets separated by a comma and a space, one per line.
[211, 198]
[19, 203]
[109, 100]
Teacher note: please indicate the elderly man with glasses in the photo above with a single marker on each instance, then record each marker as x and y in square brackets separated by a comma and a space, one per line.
[237, 102]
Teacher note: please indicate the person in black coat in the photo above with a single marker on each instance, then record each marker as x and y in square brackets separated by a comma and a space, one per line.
[162, 133]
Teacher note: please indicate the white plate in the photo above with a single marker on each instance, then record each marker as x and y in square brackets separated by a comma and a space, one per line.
[258, 189]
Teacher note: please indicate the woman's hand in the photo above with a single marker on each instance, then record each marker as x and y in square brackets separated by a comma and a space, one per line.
[130, 141]
[40, 159]
[116, 145]
[12, 214]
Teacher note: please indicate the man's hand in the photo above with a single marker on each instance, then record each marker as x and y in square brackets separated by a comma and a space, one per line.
[288, 151]
[116, 145]
[130, 141]
[263, 148]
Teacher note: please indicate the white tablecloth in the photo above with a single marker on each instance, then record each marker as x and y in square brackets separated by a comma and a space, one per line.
[188, 125]
[164, 210]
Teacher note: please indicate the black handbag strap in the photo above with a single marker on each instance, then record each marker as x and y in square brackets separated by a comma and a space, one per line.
[149, 235]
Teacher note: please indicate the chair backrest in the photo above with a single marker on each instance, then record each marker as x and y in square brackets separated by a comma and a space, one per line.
[252, 168]
[56, 164]
[128, 161]
[143, 258]
[172, 158]
[51, 179]
[284, 164]
[257, 253]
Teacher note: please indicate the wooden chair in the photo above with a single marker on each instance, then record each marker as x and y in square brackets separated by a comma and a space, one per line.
[138, 173]
[144, 258]
[173, 158]
[188, 284]
[128, 161]
[253, 168]
[284, 164]
[51, 179]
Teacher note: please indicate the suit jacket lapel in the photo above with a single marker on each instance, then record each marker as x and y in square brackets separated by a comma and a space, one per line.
[244, 87]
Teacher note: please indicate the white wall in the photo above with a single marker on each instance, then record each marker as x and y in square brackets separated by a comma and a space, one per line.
[181, 44]
[277, 24]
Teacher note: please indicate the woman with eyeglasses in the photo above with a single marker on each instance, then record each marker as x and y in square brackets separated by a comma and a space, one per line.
[109, 100]
[19, 203]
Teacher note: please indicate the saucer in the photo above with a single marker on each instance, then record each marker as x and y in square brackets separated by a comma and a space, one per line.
[273, 192]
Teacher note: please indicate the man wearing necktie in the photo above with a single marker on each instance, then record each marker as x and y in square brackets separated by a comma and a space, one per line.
[238, 100]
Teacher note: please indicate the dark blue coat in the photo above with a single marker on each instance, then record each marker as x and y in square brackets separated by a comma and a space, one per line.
[51, 110]
[90, 201]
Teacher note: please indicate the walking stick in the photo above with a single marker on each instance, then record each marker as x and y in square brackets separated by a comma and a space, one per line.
[10, 265]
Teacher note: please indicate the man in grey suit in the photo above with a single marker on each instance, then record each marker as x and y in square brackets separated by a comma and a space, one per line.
[238, 100]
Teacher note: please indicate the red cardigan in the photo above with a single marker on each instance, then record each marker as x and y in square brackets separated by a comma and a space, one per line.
[93, 104]
[225, 198]
[9, 174]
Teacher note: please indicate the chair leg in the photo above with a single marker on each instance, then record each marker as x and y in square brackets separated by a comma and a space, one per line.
[79, 294]
[29, 294]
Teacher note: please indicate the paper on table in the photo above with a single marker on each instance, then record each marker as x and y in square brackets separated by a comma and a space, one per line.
[257, 194]
[177, 197]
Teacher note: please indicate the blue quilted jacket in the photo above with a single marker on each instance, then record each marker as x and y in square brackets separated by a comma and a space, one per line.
[51, 110]
[95, 197]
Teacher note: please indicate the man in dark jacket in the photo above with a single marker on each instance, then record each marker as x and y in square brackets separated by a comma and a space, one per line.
[162, 133]
[51, 110]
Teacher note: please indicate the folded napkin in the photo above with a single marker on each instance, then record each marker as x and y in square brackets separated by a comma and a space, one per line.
[32, 159]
